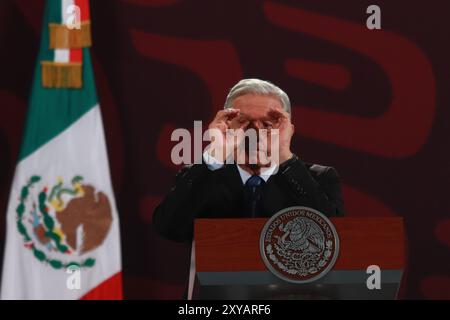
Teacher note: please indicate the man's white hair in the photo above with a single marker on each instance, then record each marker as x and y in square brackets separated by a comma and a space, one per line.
[257, 87]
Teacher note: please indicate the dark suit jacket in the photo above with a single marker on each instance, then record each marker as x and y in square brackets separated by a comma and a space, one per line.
[202, 193]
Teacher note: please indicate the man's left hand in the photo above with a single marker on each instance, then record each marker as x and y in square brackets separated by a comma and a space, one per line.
[286, 130]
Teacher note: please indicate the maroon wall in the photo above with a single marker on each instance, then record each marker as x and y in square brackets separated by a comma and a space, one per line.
[374, 104]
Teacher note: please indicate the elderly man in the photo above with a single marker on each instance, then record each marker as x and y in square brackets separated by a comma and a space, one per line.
[217, 188]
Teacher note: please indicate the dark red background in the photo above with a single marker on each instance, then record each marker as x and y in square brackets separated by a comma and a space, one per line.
[374, 104]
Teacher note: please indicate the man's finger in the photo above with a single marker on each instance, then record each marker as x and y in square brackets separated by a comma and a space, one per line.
[226, 114]
[277, 113]
[243, 124]
[282, 117]
[238, 122]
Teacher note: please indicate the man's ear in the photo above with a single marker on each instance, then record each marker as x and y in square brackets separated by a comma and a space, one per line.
[293, 128]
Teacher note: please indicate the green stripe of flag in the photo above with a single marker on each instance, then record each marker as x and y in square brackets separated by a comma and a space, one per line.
[54, 11]
[51, 111]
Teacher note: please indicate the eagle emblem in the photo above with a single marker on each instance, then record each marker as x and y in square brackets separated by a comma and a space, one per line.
[299, 244]
[60, 224]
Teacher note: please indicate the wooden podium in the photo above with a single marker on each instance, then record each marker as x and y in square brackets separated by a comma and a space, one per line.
[226, 262]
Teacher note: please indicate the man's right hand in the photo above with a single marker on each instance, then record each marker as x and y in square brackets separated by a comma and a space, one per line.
[222, 145]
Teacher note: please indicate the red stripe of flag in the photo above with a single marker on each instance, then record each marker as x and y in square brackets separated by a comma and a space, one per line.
[110, 289]
[76, 55]
[84, 8]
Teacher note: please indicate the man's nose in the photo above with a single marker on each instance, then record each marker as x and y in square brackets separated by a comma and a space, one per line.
[255, 124]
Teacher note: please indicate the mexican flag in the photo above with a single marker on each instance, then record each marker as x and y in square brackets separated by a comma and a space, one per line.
[63, 238]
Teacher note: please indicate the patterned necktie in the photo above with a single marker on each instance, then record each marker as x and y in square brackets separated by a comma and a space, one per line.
[253, 188]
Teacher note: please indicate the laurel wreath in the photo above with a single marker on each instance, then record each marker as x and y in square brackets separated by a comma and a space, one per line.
[286, 269]
[49, 224]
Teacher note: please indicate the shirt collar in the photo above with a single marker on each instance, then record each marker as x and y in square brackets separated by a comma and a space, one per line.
[265, 175]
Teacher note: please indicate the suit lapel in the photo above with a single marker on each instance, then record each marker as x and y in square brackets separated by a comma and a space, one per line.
[232, 178]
